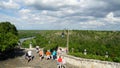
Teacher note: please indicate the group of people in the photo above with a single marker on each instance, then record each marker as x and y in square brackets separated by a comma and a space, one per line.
[48, 55]
[55, 55]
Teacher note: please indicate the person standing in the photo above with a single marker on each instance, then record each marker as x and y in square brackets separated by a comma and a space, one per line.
[37, 49]
[59, 62]
[30, 56]
[54, 53]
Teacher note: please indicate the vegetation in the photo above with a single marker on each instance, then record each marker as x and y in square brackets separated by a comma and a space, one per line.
[27, 33]
[8, 36]
[96, 43]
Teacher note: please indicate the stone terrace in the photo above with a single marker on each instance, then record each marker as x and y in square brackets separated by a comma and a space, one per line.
[20, 62]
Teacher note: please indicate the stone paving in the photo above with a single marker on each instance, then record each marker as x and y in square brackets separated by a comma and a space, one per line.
[20, 62]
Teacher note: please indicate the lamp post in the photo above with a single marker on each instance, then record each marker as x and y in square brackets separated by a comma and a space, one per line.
[67, 41]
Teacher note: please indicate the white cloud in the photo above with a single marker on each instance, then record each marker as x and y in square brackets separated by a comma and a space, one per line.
[110, 18]
[24, 11]
[14, 20]
[58, 4]
[24, 17]
[24, 14]
[9, 5]
[44, 12]
[110, 15]
[94, 23]
[59, 14]
[29, 1]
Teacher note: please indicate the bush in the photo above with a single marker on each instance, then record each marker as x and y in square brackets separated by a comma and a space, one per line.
[116, 59]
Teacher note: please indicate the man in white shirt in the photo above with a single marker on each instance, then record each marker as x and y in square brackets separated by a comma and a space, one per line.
[30, 55]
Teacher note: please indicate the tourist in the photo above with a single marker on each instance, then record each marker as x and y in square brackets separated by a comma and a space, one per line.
[48, 54]
[41, 54]
[59, 62]
[59, 52]
[30, 56]
[37, 49]
[54, 55]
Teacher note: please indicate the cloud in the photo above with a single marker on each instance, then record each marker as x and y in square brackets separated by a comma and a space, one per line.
[97, 8]
[24, 11]
[110, 18]
[9, 5]
[59, 14]
[56, 4]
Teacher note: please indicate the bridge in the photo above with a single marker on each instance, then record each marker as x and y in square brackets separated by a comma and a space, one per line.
[23, 39]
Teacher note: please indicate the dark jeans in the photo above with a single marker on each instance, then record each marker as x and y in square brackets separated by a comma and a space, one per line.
[30, 58]
[54, 57]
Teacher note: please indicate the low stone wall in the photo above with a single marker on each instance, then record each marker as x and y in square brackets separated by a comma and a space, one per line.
[90, 63]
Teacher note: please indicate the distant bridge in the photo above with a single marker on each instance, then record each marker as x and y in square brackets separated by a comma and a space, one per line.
[23, 39]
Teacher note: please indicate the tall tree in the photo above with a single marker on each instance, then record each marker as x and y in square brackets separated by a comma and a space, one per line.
[8, 36]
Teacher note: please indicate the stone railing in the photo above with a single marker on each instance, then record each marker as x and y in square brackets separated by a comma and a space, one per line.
[90, 63]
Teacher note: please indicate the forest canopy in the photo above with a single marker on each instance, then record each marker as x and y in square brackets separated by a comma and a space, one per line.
[8, 36]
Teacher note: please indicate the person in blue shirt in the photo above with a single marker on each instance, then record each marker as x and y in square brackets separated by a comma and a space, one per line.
[54, 53]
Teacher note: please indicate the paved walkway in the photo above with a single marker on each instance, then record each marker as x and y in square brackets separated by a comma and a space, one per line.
[20, 62]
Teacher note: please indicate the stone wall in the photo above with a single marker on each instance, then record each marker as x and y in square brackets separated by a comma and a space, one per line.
[90, 63]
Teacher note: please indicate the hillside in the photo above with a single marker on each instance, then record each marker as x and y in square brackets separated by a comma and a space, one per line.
[97, 43]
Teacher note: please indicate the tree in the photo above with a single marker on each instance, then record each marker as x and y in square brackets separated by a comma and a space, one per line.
[8, 36]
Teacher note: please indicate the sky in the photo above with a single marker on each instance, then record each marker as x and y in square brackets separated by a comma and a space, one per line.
[61, 14]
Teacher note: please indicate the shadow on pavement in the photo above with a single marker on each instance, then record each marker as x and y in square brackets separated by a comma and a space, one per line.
[11, 54]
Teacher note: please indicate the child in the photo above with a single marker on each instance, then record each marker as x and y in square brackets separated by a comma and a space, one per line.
[59, 62]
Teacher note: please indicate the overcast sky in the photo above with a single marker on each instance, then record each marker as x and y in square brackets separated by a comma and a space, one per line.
[61, 14]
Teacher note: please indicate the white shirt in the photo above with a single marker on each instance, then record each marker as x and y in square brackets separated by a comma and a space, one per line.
[29, 53]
